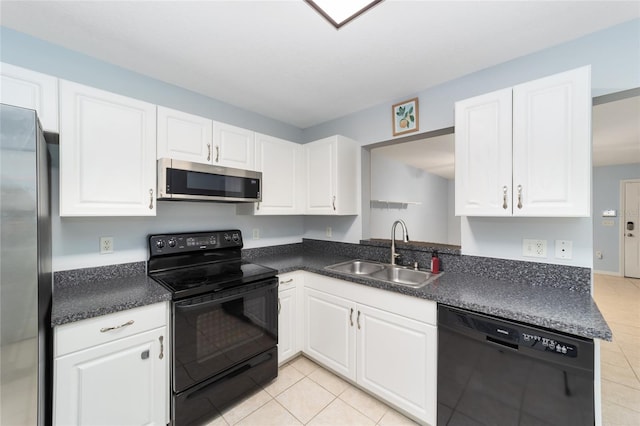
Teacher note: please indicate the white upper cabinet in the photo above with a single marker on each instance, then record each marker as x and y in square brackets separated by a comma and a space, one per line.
[281, 164]
[29, 89]
[233, 146]
[333, 176]
[184, 136]
[526, 151]
[552, 145]
[483, 155]
[107, 153]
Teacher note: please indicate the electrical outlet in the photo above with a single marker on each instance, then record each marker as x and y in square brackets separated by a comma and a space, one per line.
[256, 233]
[106, 245]
[328, 233]
[534, 248]
[564, 249]
[598, 254]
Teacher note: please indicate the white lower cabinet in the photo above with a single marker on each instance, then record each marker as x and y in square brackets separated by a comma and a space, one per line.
[397, 360]
[329, 335]
[289, 334]
[385, 342]
[113, 370]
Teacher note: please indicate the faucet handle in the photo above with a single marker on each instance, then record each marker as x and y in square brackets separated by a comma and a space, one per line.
[415, 265]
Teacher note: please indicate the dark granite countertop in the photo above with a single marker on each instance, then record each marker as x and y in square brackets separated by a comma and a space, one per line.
[89, 297]
[554, 308]
[82, 294]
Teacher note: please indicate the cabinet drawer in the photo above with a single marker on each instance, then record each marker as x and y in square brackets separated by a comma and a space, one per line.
[95, 331]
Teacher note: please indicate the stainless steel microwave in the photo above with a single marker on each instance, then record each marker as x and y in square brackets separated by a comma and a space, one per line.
[185, 180]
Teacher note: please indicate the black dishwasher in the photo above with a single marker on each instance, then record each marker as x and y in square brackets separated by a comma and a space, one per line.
[493, 371]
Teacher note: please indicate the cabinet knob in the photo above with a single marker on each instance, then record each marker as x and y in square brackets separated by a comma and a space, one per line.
[144, 354]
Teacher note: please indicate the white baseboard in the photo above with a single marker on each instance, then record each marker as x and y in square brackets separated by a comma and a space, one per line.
[612, 273]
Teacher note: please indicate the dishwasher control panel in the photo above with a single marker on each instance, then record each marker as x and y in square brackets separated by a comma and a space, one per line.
[546, 344]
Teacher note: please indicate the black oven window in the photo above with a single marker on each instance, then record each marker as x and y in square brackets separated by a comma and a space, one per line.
[231, 325]
[210, 182]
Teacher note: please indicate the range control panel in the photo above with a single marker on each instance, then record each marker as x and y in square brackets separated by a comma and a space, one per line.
[194, 241]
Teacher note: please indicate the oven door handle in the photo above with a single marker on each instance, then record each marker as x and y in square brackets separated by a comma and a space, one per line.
[184, 305]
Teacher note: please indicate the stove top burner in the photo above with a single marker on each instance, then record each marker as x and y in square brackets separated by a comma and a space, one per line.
[195, 263]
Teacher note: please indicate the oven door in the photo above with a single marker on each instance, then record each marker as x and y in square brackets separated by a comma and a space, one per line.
[214, 332]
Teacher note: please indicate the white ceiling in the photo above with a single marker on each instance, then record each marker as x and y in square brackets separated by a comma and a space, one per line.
[283, 60]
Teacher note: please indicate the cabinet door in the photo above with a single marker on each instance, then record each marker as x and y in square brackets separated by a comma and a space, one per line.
[329, 336]
[287, 308]
[107, 153]
[483, 155]
[29, 89]
[183, 136]
[552, 145]
[280, 162]
[119, 383]
[233, 147]
[404, 376]
[321, 176]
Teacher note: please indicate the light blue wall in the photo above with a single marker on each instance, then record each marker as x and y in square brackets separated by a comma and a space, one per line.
[606, 196]
[75, 240]
[614, 56]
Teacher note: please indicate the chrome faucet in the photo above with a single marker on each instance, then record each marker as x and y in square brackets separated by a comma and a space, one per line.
[405, 238]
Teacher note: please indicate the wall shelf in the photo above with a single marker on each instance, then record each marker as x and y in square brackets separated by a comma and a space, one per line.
[393, 204]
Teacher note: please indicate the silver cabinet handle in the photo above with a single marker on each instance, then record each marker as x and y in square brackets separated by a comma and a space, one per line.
[151, 199]
[279, 306]
[217, 153]
[504, 197]
[333, 202]
[351, 317]
[258, 205]
[287, 281]
[519, 196]
[161, 339]
[208, 152]
[358, 320]
[105, 329]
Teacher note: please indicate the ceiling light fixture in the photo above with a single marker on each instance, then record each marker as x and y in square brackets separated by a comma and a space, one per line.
[341, 12]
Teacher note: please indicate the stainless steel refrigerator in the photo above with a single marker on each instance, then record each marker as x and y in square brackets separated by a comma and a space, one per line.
[25, 271]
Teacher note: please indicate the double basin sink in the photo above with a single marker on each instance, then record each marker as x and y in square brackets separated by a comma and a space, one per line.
[394, 274]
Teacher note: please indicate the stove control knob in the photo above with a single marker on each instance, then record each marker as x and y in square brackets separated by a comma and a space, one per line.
[172, 242]
[227, 237]
[160, 244]
[236, 238]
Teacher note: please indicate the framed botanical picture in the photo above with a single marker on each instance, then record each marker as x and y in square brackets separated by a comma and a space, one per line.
[405, 117]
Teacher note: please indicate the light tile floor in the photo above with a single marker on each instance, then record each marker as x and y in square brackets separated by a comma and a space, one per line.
[306, 394]
[618, 299]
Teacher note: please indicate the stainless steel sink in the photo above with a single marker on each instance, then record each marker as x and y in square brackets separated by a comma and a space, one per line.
[403, 276]
[357, 267]
[385, 272]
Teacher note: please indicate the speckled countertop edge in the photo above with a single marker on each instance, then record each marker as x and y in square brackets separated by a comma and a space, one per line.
[558, 309]
[91, 292]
